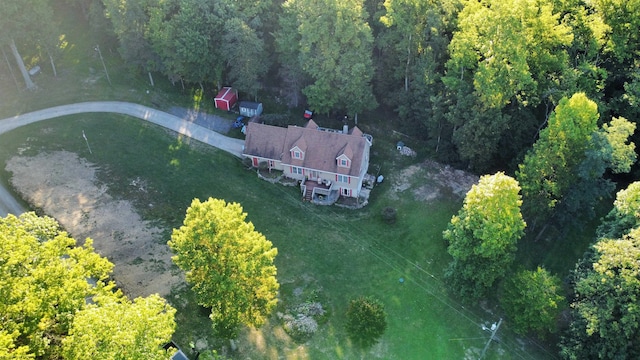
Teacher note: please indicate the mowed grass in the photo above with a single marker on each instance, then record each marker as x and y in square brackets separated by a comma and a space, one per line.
[332, 255]
[327, 253]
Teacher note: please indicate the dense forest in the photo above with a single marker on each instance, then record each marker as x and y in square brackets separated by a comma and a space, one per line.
[546, 90]
[477, 80]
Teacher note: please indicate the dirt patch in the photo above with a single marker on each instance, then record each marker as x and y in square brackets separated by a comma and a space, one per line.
[431, 180]
[64, 187]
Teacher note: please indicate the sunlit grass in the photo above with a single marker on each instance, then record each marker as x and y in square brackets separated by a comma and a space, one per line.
[339, 253]
[333, 253]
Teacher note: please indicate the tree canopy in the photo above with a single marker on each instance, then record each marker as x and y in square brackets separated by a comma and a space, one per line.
[567, 163]
[625, 214]
[115, 328]
[334, 45]
[605, 306]
[533, 301]
[228, 263]
[483, 236]
[48, 287]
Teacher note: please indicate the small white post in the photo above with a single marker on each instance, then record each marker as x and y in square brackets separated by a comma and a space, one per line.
[87, 141]
[97, 48]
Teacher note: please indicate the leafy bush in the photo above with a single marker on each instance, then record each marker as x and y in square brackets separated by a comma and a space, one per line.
[389, 215]
[366, 321]
[533, 301]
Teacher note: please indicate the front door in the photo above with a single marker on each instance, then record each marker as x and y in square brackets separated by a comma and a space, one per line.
[313, 175]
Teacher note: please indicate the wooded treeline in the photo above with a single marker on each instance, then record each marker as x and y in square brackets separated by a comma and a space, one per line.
[476, 79]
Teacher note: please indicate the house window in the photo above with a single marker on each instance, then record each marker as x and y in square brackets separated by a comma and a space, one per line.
[343, 162]
[297, 154]
[342, 179]
[296, 170]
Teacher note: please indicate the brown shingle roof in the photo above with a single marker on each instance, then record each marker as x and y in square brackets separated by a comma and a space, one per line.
[264, 141]
[322, 147]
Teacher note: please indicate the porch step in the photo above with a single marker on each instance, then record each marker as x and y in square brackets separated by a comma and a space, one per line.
[308, 195]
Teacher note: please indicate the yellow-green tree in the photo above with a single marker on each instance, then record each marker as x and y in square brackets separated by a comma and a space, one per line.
[50, 288]
[43, 281]
[228, 263]
[567, 163]
[115, 328]
[483, 236]
[605, 308]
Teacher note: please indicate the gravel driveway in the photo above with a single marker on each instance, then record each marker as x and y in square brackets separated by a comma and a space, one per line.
[199, 126]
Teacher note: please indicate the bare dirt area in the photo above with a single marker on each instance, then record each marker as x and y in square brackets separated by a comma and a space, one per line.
[64, 186]
[431, 180]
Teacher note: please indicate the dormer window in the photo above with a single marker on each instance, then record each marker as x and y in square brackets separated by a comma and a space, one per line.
[344, 161]
[296, 153]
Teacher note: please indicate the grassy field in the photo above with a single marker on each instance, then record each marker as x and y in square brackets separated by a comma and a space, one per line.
[325, 253]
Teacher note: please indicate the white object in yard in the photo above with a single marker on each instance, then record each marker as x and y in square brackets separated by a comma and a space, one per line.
[380, 179]
[34, 70]
[407, 151]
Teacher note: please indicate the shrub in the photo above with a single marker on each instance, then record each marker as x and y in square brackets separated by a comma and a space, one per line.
[366, 321]
[389, 215]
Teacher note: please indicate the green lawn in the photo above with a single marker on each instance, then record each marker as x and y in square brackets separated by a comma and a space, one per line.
[327, 253]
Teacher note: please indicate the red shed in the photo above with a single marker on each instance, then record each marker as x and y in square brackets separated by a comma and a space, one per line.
[226, 98]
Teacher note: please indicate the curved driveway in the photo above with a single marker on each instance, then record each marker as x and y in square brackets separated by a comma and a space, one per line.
[234, 146]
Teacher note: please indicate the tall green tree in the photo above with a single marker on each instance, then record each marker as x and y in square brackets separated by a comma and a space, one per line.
[605, 305]
[334, 49]
[43, 281]
[532, 300]
[511, 49]
[412, 50]
[114, 328]
[483, 236]
[25, 24]
[565, 168]
[245, 54]
[48, 286]
[504, 56]
[623, 35]
[228, 263]
[185, 34]
[625, 214]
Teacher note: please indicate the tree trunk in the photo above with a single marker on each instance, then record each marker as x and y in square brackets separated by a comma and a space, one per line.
[151, 79]
[541, 232]
[406, 69]
[27, 79]
[10, 69]
[355, 117]
[53, 66]
[233, 345]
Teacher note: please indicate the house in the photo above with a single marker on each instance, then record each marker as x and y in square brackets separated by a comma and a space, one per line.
[328, 163]
[250, 108]
[226, 98]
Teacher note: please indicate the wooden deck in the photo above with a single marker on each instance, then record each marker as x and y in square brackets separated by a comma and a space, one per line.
[310, 185]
